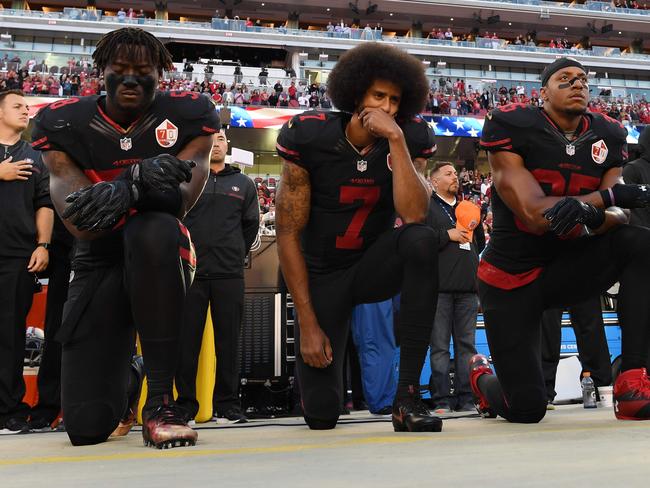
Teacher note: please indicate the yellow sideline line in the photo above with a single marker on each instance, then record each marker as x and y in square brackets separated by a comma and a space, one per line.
[189, 452]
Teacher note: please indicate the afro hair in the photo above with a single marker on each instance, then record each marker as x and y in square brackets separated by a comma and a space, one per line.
[357, 70]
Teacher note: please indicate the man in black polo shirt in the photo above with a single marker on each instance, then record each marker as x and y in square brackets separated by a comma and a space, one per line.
[26, 218]
[223, 225]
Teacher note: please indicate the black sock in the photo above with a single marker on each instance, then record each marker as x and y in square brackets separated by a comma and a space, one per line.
[159, 366]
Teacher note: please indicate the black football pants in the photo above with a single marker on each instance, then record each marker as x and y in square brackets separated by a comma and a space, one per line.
[403, 259]
[226, 299]
[589, 266]
[593, 352]
[49, 371]
[105, 307]
[16, 295]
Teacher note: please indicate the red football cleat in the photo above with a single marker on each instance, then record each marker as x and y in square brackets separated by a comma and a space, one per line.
[478, 366]
[166, 426]
[632, 395]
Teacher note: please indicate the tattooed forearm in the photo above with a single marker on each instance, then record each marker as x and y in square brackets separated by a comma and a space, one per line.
[65, 178]
[292, 202]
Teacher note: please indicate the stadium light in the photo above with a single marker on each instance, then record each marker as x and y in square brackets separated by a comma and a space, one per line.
[5, 37]
[441, 64]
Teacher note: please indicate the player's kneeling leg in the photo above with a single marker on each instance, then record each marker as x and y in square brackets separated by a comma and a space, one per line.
[322, 407]
[417, 246]
[527, 406]
[90, 423]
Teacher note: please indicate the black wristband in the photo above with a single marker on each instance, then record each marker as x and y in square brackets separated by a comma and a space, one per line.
[608, 197]
[44, 245]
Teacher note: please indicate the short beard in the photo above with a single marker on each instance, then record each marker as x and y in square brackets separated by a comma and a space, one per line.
[575, 111]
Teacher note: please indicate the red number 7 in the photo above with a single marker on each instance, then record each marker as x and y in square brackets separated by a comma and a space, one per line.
[369, 195]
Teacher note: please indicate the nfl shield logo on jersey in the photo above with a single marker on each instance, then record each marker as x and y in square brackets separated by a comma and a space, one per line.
[166, 134]
[599, 152]
[362, 165]
[126, 144]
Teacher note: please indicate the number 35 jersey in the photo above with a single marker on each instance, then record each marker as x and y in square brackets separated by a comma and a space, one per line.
[516, 256]
[351, 189]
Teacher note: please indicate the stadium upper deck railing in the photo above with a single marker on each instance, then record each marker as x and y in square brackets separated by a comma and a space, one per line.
[356, 34]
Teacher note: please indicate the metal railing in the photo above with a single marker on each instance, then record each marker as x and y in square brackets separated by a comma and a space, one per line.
[356, 34]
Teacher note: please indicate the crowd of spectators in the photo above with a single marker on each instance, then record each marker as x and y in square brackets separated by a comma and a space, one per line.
[266, 196]
[476, 187]
[446, 97]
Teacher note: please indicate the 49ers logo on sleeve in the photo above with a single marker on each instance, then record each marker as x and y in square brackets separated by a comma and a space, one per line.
[166, 134]
[599, 152]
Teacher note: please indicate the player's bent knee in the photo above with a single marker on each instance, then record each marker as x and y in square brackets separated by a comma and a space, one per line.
[152, 236]
[321, 406]
[527, 408]
[318, 424]
[90, 423]
[418, 242]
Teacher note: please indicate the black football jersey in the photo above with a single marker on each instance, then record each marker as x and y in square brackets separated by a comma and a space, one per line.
[515, 256]
[351, 189]
[102, 148]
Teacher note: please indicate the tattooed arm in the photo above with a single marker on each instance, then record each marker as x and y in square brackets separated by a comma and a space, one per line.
[66, 177]
[198, 150]
[292, 206]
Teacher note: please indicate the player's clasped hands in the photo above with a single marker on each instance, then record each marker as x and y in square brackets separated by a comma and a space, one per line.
[378, 122]
[20, 170]
[163, 172]
[100, 206]
[315, 347]
[569, 212]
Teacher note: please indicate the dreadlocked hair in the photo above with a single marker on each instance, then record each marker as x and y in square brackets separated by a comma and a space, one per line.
[358, 68]
[125, 41]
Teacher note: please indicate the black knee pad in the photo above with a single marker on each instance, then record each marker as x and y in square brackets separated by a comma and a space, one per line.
[318, 424]
[90, 423]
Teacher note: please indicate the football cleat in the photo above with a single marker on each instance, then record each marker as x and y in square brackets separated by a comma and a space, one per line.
[411, 415]
[129, 417]
[478, 366]
[165, 427]
[632, 395]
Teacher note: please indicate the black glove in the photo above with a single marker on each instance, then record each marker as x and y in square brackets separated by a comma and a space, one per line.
[627, 196]
[100, 206]
[569, 212]
[160, 173]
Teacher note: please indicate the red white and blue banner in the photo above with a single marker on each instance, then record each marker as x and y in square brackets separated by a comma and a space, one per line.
[257, 117]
